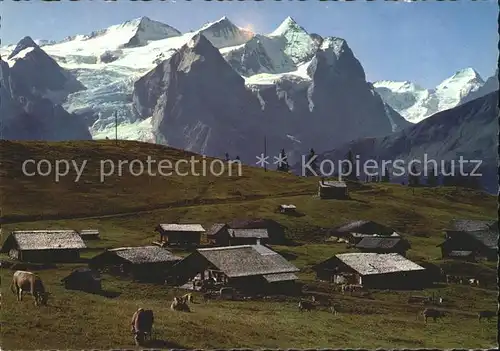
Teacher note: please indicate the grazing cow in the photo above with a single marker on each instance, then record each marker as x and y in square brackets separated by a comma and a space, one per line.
[188, 298]
[23, 281]
[142, 325]
[432, 313]
[334, 309]
[306, 306]
[474, 281]
[486, 314]
[322, 301]
[179, 304]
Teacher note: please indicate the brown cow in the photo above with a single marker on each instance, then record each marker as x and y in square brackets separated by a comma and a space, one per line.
[142, 325]
[23, 281]
[179, 304]
[306, 306]
[432, 313]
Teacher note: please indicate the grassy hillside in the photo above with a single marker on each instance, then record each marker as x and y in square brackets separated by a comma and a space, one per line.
[127, 208]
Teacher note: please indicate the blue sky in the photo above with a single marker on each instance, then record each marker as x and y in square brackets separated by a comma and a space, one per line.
[423, 42]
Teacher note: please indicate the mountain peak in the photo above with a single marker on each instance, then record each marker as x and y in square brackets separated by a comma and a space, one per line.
[467, 72]
[461, 77]
[24, 43]
[224, 33]
[289, 24]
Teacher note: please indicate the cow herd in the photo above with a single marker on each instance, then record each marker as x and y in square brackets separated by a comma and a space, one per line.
[142, 320]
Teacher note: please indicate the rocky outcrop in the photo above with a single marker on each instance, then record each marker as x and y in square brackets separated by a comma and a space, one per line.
[29, 116]
[39, 73]
[199, 103]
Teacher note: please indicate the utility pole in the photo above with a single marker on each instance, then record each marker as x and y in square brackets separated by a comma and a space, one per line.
[265, 153]
[116, 128]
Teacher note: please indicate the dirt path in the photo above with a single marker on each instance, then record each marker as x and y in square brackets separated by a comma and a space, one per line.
[146, 209]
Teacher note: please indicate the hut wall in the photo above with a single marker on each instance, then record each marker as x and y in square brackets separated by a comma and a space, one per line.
[332, 192]
[287, 287]
[397, 280]
[50, 255]
[222, 238]
[181, 238]
[247, 241]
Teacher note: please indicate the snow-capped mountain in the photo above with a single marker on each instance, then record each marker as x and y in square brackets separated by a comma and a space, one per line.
[223, 33]
[310, 90]
[198, 102]
[284, 50]
[40, 73]
[108, 62]
[26, 113]
[416, 103]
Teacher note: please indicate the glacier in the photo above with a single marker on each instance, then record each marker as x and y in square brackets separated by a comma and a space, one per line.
[416, 103]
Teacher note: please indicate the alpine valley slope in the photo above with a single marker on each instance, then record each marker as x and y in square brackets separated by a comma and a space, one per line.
[415, 103]
[469, 130]
[304, 90]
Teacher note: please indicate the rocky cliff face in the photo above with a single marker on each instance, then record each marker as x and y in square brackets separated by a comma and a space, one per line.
[39, 73]
[27, 115]
[200, 103]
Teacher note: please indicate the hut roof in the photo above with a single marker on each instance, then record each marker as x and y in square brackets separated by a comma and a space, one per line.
[373, 263]
[249, 233]
[247, 260]
[460, 253]
[82, 271]
[181, 227]
[292, 207]
[280, 277]
[363, 227]
[332, 184]
[89, 232]
[216, 228]
[48, 240]
[488, 238]
[144, 254]
[256, 223]
[377, 242]
[467, 225]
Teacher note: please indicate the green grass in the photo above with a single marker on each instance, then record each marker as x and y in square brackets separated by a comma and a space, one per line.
[126, 209]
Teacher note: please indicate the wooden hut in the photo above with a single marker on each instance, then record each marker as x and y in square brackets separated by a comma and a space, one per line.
[275, 230]
[469, 240]
[380, 244]
[355, 231]
[89, 234]
[180, 234]
[143, 263]
[332, 190]
[287, 209]
[44, 245]
[83, 279]
[248, 236]
[218, 234]
[372, 270]
[250, 269]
